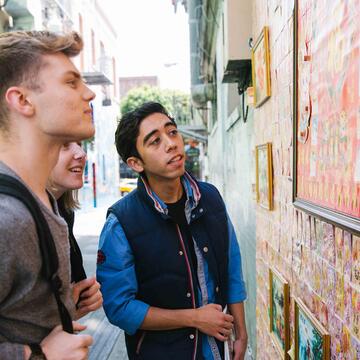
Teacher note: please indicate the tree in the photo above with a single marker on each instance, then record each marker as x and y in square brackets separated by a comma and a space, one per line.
[176, 102]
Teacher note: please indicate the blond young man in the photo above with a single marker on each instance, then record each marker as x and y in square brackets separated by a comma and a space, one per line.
[43, 104]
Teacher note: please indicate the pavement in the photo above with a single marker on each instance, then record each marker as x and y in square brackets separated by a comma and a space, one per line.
[109, 342]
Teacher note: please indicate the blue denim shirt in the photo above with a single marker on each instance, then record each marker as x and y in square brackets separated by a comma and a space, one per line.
[117, 273]
[119, 285]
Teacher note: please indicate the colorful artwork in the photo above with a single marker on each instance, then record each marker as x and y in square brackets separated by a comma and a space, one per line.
[355, 312]
[279, 311]
[336, 329]
[319, 235]
[346, 343]
[312, 341]
[264, 175]
[355, 348]
[339, 301]
[347, 303]
[328, 244]
[347, 255]
[339, 246]
[327, 110]
[355, 276]
[329, 287]
[261, 68]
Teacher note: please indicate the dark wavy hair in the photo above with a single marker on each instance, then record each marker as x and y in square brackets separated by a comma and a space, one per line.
[127, 130]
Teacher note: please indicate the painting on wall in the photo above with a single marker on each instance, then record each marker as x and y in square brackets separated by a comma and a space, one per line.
[279, 311]
[312, 341]
[260, 58]
[326, 112]
[264, 176]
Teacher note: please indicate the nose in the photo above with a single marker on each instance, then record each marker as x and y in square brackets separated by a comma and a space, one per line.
[170, 144]
[80, 153]
[89, 95]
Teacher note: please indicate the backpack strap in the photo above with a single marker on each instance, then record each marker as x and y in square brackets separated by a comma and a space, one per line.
[50, 261]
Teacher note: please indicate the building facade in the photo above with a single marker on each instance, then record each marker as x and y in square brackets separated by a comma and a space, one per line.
[298, 126]
[131, 82]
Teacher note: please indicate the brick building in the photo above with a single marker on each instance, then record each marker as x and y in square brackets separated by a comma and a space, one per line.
[132, 82]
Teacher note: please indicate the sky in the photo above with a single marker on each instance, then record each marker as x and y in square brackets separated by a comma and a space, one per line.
[153, 40]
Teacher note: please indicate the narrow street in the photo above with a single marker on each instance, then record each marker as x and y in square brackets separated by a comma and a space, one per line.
[109, 343]
[266, 95]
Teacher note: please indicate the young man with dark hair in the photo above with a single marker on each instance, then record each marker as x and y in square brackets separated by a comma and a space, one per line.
[168, 261]
[43, 104]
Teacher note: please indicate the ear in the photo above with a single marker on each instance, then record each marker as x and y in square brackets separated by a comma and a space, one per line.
[17, 100]
[135, 163]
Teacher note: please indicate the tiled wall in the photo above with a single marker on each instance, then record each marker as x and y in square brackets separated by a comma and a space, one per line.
[321, 262]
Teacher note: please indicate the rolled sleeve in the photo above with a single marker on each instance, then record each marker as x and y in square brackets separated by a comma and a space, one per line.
[116, 274]
[236, 287]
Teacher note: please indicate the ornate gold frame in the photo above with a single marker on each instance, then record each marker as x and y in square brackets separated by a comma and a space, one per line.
[262, 41]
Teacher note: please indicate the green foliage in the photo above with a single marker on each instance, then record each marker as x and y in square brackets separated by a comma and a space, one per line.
[176, 102]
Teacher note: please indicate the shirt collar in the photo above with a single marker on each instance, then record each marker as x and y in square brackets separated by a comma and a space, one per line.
[192, 194]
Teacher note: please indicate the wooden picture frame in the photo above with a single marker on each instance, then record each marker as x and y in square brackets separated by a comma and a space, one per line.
[326, 184]
[264, 181]
[260, 60]
[279, 312]
[310, 336]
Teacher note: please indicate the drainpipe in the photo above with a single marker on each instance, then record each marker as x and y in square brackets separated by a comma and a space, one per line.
[210, 22]
[201, 91]
[194, 31]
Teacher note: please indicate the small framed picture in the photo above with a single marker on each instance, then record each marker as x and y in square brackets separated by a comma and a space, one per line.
[279, 312]
[260, 58]
[312, 341]
[264, 176]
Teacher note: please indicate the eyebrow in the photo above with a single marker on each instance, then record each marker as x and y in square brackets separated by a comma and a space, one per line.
[73, 73]
[151, 133]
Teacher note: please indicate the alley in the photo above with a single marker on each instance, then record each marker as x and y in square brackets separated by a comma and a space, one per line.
[266, 95]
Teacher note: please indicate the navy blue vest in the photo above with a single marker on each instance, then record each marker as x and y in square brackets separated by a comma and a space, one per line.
[162, 271]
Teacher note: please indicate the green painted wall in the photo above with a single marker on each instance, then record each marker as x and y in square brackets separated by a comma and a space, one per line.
[239, 170]
[232, 170]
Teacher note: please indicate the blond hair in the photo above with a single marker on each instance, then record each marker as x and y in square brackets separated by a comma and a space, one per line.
[21, 59]
[71, 200]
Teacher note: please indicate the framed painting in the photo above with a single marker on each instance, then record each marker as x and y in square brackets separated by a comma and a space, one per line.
[279, 312]
[260, 58]
[326, 134]
[312, 341]
[264, 194]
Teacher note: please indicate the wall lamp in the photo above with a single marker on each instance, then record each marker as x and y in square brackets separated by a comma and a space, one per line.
[239, 71]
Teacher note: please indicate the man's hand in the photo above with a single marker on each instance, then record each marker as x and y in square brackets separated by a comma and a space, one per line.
[210, 320]
[87, 296]
[240, 346]
[61, 345]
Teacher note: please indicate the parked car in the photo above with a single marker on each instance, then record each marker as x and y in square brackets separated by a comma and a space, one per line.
[127, 185]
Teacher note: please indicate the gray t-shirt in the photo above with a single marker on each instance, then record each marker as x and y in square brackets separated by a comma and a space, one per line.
[28, 310]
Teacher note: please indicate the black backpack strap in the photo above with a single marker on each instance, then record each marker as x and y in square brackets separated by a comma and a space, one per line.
[50, 261]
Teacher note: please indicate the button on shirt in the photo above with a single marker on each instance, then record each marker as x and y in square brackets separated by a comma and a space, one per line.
[119, 285]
